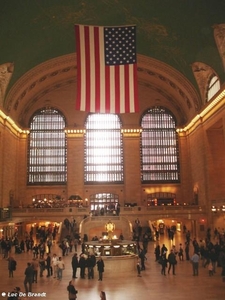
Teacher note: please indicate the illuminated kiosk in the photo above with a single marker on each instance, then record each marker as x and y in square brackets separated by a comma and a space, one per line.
[119, 255]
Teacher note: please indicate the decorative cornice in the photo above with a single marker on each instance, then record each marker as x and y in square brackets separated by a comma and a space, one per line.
[217, 103]
[11, 125]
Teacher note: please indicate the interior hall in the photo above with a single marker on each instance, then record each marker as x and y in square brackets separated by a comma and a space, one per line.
[116, 158]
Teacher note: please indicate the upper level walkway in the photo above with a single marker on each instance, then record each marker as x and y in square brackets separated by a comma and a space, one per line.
[193, 212]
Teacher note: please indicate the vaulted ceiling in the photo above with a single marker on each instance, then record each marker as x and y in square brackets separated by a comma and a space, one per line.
[175, 32]
[178, 33]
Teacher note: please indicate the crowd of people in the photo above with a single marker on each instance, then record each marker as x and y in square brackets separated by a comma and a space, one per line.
[45, 264]
[210, 254]
[54, 266]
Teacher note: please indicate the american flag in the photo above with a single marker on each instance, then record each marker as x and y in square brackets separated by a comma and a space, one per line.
[106, 69]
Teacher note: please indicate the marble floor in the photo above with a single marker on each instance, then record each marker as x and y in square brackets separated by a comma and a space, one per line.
[122, 286]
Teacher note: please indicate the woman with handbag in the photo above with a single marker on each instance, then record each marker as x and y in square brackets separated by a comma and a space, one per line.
[72, 292]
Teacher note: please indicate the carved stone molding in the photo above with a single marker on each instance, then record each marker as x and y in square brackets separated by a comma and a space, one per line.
[219, 36]
[203, 73]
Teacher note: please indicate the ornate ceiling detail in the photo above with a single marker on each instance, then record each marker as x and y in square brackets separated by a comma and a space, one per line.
[49, 89]
[60, 72]
[38, 77]
[6, 71]
[219, 36]
[203, 73]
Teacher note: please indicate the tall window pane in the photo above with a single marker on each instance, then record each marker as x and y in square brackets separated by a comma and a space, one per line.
[159, 146]
[103, 149]
[213, 88]
[47, 148]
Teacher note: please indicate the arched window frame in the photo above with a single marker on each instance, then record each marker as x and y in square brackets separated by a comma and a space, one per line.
[47, 148]
[213, 87]
[159, 147]
[103, 150]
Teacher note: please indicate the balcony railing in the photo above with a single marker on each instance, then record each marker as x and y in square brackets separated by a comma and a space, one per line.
[137, 210]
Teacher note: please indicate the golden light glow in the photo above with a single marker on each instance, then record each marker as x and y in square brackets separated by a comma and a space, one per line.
[11, 125]
[211, 108]
[75, 131]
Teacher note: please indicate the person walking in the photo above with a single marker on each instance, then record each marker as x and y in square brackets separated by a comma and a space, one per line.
[42, 266]
[163, 249]
[163, 262]
[100, 266]
[29, 275]
[54, 265]
[157, 252]
[143, 258]
[11, 265]
[138, 268]
[187, 246]
[35, 266]
[172, 261]
[75, 265]
[181, 253]
[72, 292]
[195, 263]
[48, 265]
[61, 267]
[102, 295]
[35, 251]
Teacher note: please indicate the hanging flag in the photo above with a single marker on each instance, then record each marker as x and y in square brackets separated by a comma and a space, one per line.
[106, 69]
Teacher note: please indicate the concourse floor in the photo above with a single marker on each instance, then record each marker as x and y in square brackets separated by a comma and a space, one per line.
[123, 286]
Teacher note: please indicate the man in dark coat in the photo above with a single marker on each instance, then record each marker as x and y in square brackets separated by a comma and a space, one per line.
[75, 265]
[82, 265]
[143, 258]
[29, 275]
[48, 264]
[91, 262]
[172, 261]
[101, 266]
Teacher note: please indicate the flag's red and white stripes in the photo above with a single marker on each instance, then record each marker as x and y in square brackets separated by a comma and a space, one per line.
[100, 87]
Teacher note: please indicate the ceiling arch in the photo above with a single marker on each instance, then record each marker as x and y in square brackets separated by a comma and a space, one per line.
[55, 79]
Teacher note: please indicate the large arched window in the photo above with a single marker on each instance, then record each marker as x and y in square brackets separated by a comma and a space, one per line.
[159, 146]
[47, 148]
[213, 88]
[103, 149]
